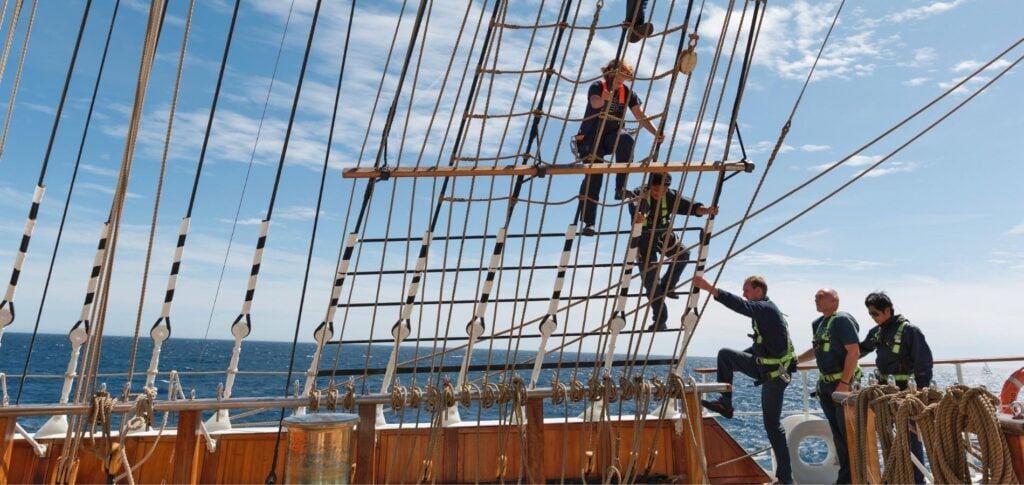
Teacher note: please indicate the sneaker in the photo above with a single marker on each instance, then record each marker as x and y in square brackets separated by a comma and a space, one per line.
[657, 328]
[719, 407]
[588, 230]
[673, 294]
[640, 32]
[623, 194]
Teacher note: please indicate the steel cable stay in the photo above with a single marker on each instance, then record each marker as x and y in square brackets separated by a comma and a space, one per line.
[476, 327]
[245, 180]
[7, 313]
[358, 254]
[67, 204]
[157, 198]
[242, 325]
[325, 330]
[402, 328]
[11, 27]
[161, 329]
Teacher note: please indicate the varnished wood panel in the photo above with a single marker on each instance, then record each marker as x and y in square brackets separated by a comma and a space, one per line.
[400, 454]
[1016, 444]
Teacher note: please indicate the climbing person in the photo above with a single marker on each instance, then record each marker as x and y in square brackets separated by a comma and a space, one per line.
[638, 29]
[768, 361]
[901, 352]
[651, 205]
[601, 135]
[836, 348]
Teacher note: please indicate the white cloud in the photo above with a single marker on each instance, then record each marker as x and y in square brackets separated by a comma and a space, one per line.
[792, 35]
[891, 168]
[814, 148]
[923, 56]
[917, 81]
[785, 261]
[854, 161]
[981, 78]
[103, 189]
[93, 169]
[918, 13]
[1016, 230]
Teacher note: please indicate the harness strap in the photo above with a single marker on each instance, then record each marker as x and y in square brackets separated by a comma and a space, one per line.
[622, 91]
[899, 338]
[836, 376]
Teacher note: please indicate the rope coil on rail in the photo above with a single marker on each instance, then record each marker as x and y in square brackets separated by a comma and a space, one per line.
[959, 428]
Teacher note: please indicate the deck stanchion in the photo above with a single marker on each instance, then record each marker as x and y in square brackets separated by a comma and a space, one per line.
[366, 442]
[186, 449]
[535, 440]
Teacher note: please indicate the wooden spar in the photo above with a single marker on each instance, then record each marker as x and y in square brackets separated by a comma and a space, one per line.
[186, 449]
[532, 170]
[6, 448]
[854, 436]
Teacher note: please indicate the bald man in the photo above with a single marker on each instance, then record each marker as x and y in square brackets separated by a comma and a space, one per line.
[836, 350]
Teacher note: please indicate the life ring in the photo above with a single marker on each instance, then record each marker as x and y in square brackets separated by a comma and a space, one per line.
[1011, 389]
[800, 427]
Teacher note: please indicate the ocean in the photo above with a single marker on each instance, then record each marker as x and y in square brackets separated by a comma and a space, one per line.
[202, 365]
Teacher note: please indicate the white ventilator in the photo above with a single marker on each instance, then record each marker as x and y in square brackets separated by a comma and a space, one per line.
[240, 329]
[78, 336]
[550, 322]
[325, 331]
[402, 329]
[617, 322]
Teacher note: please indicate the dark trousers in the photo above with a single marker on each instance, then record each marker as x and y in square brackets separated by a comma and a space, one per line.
[635, 12]
[611, 141]
[837, 422]
[772, 393]
[650, 247]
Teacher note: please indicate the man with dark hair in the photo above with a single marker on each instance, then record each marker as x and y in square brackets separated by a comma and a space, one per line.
[836, 348]
[651, 206]
[768, 361]
[602, 134]
[901, 353]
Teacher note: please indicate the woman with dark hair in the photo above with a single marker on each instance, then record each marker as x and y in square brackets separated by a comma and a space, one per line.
[902, 353]
[601, 134]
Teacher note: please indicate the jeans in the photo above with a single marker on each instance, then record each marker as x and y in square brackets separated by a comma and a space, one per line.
[611, 141]
[650, 247]
[772, 393]
[837, 422]
[635, 13]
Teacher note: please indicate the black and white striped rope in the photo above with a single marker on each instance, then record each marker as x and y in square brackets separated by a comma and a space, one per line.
[617, 322]
[477, 326]
[550, 322]
[325, 331]
[161, 329]
[242, 325]
[402, 329]
[7, 305]
[80, 331]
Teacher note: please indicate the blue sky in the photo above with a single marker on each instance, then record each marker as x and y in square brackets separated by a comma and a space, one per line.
[939, 226]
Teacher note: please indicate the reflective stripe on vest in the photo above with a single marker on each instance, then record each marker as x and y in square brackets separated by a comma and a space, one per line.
[622, 91]
[837, 376]
[898, 339]
[822, 337]
[664, 211]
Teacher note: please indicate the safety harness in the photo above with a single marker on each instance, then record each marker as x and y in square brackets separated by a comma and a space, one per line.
[781, 363]
[895, 349]
[622, 90]
[823, 340]
[663, 222]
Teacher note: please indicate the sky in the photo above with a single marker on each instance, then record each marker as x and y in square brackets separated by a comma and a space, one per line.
[939, 225]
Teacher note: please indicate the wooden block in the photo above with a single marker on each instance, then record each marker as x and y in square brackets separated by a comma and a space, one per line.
[366, 435]
[535, 440]
[186, 449]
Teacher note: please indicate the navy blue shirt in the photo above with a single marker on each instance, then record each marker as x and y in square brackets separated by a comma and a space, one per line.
[914, 357]
[621, 99]
[767, 321]
[654, 208]
[842, 332]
